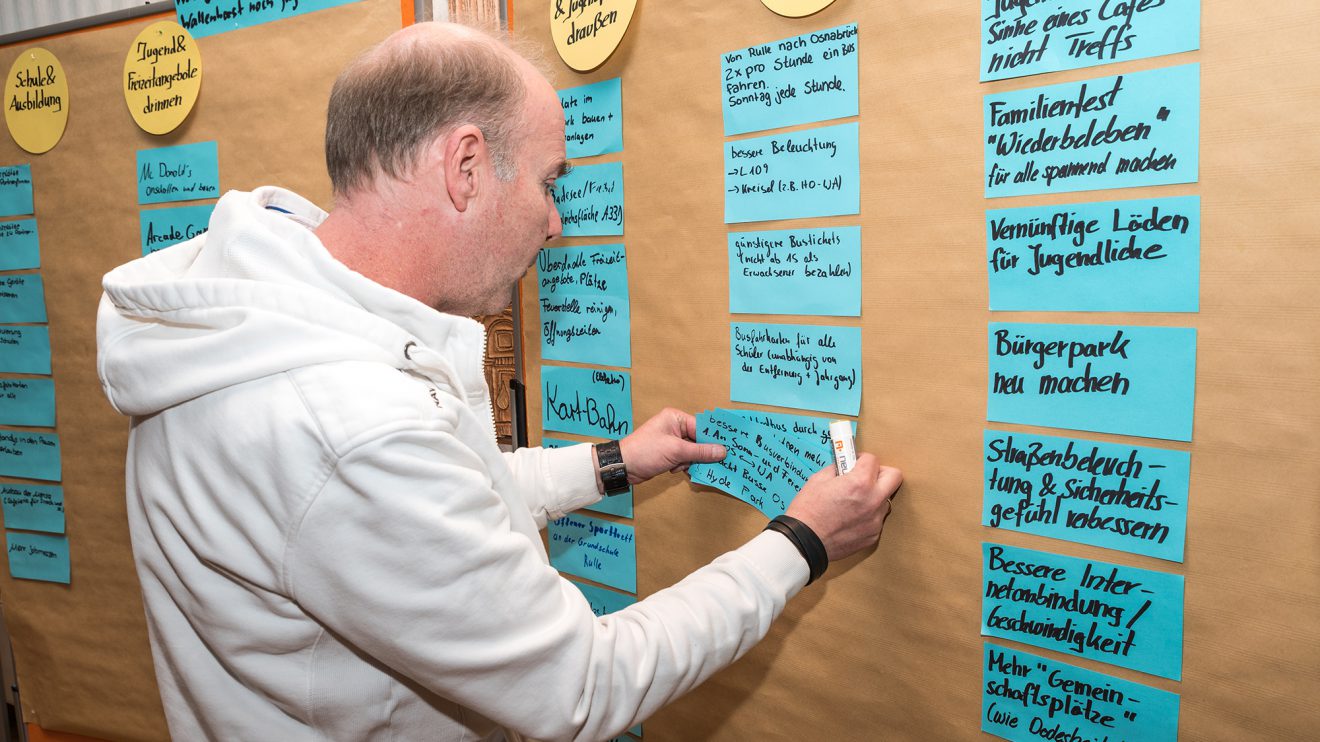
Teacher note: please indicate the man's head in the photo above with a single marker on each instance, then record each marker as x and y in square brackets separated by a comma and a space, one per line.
[447, 144]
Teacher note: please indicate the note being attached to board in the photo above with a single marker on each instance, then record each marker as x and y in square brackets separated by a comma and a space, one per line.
[583, 296]
[1028, 697]
[186, 172]
[1111, 256]
[15, 190]
[593, 118]
[1111, 613]
[796, 271]
[19, 245]
[590, 200]
[586, 401]
[812, 172]
[811, 367]
[598, 550]
[759, 468]
[1109, 379]
[1116, 496]
[798, 80]
[1022, 38]
[1139, 129]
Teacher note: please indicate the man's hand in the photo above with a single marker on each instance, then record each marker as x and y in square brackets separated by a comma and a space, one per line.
[847, 512]
[666, 442]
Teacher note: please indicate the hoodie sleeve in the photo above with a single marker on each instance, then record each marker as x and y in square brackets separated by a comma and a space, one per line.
[554, 481]
[408, 554]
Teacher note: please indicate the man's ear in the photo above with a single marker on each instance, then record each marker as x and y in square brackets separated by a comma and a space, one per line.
[466, 161]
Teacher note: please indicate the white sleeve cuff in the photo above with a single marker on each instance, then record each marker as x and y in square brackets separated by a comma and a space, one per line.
[778, 561]
[573, 475]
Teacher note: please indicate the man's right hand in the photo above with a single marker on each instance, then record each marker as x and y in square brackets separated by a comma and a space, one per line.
[847, 512]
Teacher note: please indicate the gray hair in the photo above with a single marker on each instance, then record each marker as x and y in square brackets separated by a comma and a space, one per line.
[391, 101]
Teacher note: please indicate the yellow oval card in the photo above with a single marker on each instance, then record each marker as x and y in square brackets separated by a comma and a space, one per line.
[36, 100]
[796, 8]
[162, 76]
[586, 32]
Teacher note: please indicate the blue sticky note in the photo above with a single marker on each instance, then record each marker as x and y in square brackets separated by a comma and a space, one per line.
[33, 507]
[590, 200]
[798, 80]
[1109, 379]
[1111, 613]
[593, 118]
[1081, 704]
[15, 190]
[38, 556]
[30, 455]
[22, 298]
[209, 17]
[603, 601]
[1130, 498]
[161, 228]
[812, 367]
[1139, 129]
[586, 401]
[28, 402]
[598, 550]
[809, 428]
[796, 271]
[620, 504]
[1113, 256]
[585, 314]
[182, 173]
[1028, 39]
[25, 349]
[757, 468]
[19, 245]
[812, 172]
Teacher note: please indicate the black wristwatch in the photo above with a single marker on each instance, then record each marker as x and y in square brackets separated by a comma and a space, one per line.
[613, 474]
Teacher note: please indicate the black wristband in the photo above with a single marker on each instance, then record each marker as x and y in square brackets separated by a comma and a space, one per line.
[806, 541]
[613, 473]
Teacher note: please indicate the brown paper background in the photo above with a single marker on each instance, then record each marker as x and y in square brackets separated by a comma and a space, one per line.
[888, 647]
[82, 655]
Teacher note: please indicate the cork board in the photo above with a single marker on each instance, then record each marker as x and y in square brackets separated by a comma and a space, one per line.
[81, 650]
[889, 646]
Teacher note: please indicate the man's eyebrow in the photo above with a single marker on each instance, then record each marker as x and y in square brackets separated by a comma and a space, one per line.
[564, 169]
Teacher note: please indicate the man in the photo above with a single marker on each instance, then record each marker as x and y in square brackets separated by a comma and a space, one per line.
[329, 541]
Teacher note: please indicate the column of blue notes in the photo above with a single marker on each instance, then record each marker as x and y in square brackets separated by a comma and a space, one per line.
[185, 172]
[31, 498]
[1131, 257]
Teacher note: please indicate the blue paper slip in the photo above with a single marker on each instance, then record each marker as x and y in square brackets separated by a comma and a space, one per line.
[590, 200]
[1104, 378]
[28, 402]
[585, 315]
[798, 80]
[603, 601]
[1112, 256]
[620, 504]
[796, 271]
[1139, 129]
[1130, 498]
[593, 118]
[598, 550]
[813, 172]
[586, 401]
[206, 18]
[1125, 616]
[19, 245]
[808, 428]
[1028, 39]
[38, 556]
[33, 507]
[757, 468]
[164, 227]
[1027, 698]
[24, 350]
[30, 455]
[183, 173]
[22, 298]
[811, 367]
[15, 190]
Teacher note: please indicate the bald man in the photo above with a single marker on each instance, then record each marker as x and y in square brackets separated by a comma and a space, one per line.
[331, 544]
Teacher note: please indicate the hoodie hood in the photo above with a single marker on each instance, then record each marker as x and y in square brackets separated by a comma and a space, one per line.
[258, 294]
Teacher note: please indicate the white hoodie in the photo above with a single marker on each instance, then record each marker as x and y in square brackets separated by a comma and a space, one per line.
[329, 541]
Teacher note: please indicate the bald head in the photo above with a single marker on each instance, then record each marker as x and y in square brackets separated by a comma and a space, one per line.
[420, 83]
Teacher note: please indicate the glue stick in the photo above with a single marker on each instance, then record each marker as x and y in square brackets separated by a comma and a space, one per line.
[845, 453]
